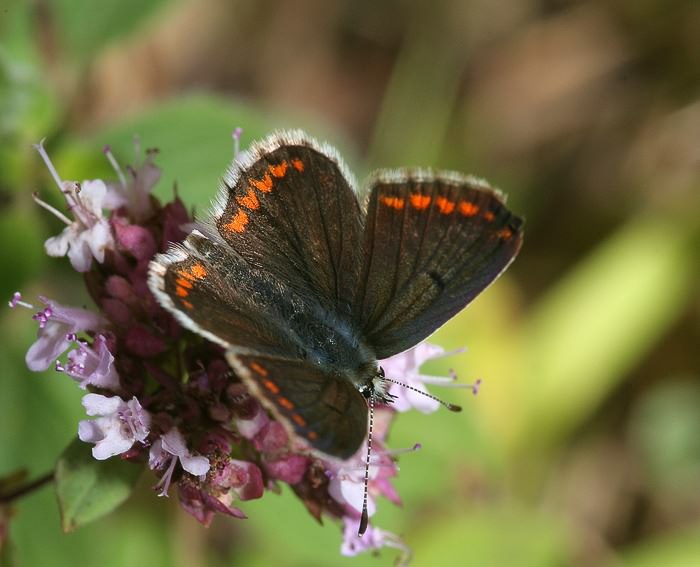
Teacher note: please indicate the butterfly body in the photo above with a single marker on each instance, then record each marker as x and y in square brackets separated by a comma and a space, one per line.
[307, 285]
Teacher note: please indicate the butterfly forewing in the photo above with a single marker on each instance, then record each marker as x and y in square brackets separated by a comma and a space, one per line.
[276, 264]
[316, 404]
[214, 292]
[289, 208]
[431, 244]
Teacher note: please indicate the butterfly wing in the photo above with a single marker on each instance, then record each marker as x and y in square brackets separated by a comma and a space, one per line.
[214, 292]
[289, 206]
[279, 251]
[431, 244]
[313, 403]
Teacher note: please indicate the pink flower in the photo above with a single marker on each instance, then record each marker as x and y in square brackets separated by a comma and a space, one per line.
[93, 365]
[373, 538]
[165, 454]
[56, 325]
[195, 500]
[348, 482]
[119, 425]
[239, 478]
[405, 367]
[249, 416]
[347, 478]
[89, 235]
[133, 194]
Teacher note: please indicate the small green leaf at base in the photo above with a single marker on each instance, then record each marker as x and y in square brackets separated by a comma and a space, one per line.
[88, 489]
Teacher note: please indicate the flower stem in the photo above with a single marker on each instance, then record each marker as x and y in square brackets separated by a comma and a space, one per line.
[29, 487]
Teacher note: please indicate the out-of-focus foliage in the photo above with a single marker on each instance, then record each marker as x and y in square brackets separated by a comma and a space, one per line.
[583, 446]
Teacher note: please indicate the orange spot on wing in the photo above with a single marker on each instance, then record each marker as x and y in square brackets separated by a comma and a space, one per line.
[393, 202]
[182, 282]
[258, 369]
[420, 202]
[279, 170]
[238, 222]
[312, 435]
[187, 304]
[264, 184]
[489, 216]
[505, 233]
[298, 165]
[468, 209]
[198, 271]
[249, 200]
[285, 403]
[181, 292]
[446, 206]
[300, 421]
[270, 385]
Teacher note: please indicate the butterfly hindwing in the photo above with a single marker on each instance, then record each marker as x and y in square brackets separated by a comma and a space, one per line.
[314, 403]
[431, 244]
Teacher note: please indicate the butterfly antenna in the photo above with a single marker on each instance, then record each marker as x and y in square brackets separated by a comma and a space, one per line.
[364, 519]
[449, 406]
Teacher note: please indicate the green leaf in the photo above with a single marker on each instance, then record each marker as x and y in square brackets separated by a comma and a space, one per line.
[88, 489]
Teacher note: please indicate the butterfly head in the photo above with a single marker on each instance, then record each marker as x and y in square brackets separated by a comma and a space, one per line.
[376, 388]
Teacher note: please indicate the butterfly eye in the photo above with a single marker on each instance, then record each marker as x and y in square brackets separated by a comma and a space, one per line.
[366, 391]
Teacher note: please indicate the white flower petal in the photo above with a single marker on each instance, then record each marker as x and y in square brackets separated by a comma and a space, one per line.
[156, 455]
[99, 238]
[57, 246]
[174, 442]
[92, 194]
[79, 253]
[97, 404]
[197, 466]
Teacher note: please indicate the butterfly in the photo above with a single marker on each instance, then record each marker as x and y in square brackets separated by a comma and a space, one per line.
[306, 284]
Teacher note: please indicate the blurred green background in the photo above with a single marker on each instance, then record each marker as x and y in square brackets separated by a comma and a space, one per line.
[584, 446]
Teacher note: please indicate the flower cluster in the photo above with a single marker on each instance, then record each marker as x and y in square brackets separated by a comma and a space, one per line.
[158, 394]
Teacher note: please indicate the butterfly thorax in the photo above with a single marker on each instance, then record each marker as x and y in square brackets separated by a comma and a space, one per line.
[332, 343]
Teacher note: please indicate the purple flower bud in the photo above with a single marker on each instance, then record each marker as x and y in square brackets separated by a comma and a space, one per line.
[174, 218]
[117, 311]
[137, 240]
[290, 469]
[141, 341]
[119, 288]
[272, 438]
